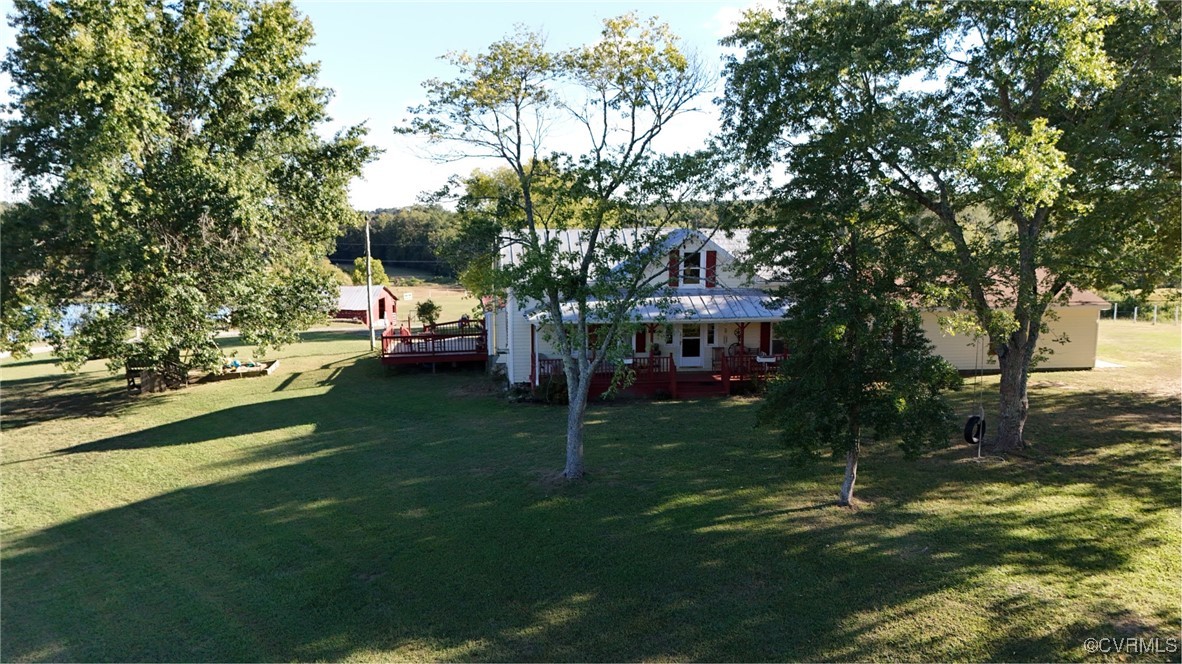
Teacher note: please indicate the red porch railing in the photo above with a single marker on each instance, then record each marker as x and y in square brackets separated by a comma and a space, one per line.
[643, 366]
[657, 374]
[451, 341]
[461, 327]
[744, 365]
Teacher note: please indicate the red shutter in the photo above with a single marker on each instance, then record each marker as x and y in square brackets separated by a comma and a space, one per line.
[711, 269]
[765, 337]
[641, 341]
[674, 267]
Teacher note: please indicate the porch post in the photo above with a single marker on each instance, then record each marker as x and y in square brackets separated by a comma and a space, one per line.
[533, 355]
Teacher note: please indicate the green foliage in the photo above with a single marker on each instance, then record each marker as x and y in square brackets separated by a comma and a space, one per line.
[413, 236]
[553, 390]
[859, 366]
[428, 312]
[620, 93]
[174, 172]
[408, 282]
[377, 273]
[1034, 145]
[341, 277]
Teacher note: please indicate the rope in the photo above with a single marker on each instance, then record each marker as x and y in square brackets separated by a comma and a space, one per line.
[979, 349]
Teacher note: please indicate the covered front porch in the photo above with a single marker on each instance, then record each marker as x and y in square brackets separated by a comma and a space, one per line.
[694, 343]
[661, 377]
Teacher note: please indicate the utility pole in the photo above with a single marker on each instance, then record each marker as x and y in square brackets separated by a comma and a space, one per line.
[368, 286]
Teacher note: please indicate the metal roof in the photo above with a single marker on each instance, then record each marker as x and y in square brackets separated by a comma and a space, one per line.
[352, 298]
[684, 304]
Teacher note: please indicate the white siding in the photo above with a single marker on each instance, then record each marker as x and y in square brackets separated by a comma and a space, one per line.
[1082, 325]
[725, 274]
[519, 342]
[1079, 323]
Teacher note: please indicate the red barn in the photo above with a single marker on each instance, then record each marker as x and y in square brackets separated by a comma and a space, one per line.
[351, 304]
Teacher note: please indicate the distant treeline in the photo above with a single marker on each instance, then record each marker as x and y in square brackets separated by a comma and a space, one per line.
[410, 237]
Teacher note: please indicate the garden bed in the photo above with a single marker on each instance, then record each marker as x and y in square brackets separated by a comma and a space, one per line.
[243, 371]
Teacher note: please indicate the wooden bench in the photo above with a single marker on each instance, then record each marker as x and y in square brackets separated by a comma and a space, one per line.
[135, 376]
[137, 366]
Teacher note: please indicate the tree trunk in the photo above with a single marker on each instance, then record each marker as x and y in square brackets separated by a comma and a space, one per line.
[576, 410]
[1014, 403]
[851, 475]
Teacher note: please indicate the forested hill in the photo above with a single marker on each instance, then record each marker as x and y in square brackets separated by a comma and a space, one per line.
[408, 237]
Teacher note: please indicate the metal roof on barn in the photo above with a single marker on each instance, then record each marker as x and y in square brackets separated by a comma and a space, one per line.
[718, 305]
[352, 298]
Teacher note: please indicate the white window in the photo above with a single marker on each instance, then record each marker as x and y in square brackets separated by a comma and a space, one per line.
[693, 268]
[710, 334]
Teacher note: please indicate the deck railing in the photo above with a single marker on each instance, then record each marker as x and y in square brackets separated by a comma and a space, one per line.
[744, 365]
[553, 366]
[451, 338]
[461, 327]
[648, 370]
[661, 372]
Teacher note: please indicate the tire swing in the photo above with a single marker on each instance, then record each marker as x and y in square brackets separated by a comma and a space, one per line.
[974, 430]
[974, 427]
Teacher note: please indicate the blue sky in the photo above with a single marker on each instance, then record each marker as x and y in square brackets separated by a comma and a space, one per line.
[376, 54]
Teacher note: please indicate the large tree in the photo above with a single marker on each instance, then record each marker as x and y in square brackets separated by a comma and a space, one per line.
[177, 183]
[860, 368]
[1039, 139]
[620, 93]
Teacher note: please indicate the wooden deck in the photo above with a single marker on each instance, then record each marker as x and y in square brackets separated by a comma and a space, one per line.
[660, 376]
[453, 341]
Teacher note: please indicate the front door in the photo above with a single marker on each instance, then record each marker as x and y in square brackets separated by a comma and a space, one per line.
[691, 345]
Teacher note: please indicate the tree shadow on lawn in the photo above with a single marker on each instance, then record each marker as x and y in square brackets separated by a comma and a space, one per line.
[29, 401]
[429, 535]
[348, 407]
[1105, 438]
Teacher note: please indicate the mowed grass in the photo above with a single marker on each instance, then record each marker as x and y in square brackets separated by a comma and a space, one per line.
[333, 512]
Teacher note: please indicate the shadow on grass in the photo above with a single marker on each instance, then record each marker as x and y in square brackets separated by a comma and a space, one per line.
[337, 335]
[40, 399]
[30, 362]
[261, 417]
[410, 524]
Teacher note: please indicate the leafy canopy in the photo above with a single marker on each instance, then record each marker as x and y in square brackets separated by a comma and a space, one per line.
[560, 211]
[860, 367]
[377, 272]
[1036, 142]
[175, 177]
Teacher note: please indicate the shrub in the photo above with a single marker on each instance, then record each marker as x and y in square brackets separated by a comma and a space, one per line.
[428, 312]
[553, 391]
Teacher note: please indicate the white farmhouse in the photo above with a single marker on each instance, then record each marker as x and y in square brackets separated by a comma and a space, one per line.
[720, 326]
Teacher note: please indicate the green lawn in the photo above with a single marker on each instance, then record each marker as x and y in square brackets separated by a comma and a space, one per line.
[333, 512]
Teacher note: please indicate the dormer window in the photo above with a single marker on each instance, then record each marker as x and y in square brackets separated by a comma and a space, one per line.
[693, 268]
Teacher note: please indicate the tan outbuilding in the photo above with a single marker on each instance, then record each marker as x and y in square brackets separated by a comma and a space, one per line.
[1070, 340]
